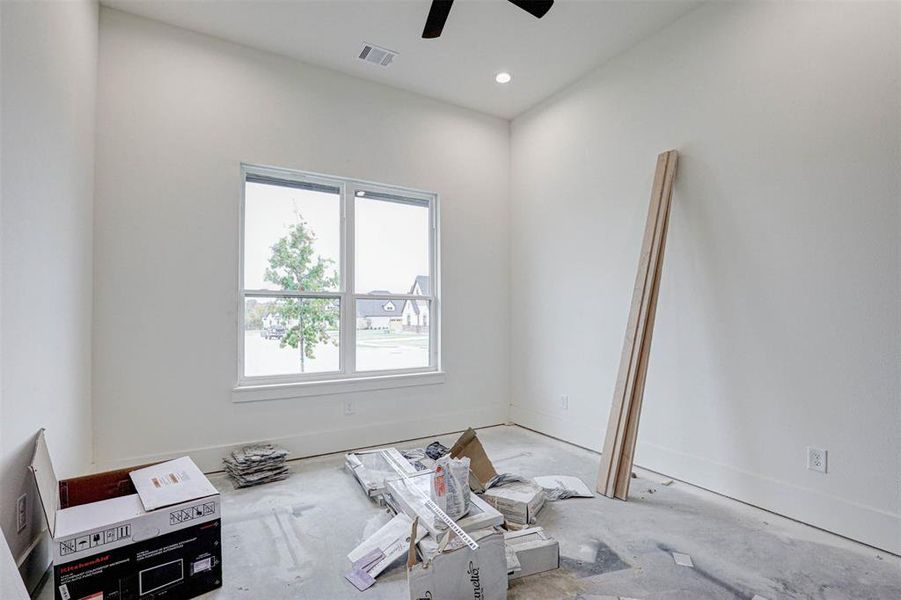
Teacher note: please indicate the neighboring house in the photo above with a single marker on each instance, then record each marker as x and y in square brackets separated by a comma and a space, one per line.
[416, 312]
[271, 320]
[379, 313]
[396, 315]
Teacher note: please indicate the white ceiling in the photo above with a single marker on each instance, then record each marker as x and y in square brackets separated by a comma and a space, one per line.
[481, 37]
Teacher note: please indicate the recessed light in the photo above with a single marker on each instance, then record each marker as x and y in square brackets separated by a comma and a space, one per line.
[503, 77]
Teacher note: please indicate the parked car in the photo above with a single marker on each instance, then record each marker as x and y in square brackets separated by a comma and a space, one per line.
[275, 332]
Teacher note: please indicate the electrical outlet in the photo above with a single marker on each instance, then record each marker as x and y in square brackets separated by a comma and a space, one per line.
[816, 459]
[564, 402]
[21, 512]
[349, 408]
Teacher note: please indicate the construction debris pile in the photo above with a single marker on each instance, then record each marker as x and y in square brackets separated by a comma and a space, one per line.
[253, 465]
[463, 527]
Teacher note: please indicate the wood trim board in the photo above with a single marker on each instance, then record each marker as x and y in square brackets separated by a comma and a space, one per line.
[625, 410]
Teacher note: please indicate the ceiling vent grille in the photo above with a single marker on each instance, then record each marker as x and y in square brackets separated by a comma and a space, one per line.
[375, 55]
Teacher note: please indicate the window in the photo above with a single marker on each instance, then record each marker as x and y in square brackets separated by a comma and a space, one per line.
[338, 279]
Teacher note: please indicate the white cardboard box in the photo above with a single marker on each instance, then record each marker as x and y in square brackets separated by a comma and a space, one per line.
[106, 542]
[535, 551]
[518, 501]
[460, 572]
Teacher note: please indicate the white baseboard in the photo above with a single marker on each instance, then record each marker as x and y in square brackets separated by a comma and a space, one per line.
[569, 430]
[314, 443]
[866, 524]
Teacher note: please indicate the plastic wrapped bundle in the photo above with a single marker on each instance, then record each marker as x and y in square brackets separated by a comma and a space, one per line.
[450, 486]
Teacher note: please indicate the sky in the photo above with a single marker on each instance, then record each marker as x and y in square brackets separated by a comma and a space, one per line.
[392, 240]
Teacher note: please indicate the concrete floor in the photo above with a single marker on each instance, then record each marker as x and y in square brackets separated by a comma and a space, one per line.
[290, 539]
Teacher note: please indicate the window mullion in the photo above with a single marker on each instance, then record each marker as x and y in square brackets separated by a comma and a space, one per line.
[349, 324]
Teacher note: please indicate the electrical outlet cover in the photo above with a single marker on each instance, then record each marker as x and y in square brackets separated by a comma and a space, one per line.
[817, 459]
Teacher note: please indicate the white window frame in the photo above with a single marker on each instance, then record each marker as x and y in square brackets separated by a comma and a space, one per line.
[347, 378]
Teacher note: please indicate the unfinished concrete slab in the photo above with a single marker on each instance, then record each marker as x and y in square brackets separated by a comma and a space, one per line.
[290, 539]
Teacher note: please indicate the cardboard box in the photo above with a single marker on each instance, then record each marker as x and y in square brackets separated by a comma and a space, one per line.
[152, 532]
[535, 551]
[457, 571]
[518, 501]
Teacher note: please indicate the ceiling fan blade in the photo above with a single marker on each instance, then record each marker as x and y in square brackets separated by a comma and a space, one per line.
[537, 8]
[434, 23]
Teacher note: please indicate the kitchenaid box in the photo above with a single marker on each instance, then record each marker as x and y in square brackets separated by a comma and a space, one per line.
[148, 533]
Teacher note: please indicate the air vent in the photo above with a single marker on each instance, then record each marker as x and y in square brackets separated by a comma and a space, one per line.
[376, 55]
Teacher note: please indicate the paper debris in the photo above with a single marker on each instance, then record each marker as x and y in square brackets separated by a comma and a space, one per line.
[253, 465]
[667, 482]
[360, 579]
[369, 560]
[392, 540]
[683, 560]
[559, 487]
[436, 450]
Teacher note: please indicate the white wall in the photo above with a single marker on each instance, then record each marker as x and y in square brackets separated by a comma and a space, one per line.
[177, 113]
[778, 321]
[49, 68]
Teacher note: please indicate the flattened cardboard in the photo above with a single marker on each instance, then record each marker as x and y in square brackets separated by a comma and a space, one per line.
[481, 471]
[170, 483]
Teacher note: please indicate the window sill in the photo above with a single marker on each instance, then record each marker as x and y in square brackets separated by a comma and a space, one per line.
[281, 391]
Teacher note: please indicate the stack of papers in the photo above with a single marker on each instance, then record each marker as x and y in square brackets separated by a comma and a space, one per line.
[253, 465]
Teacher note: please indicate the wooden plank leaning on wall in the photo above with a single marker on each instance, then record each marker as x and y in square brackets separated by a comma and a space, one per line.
[625, 411]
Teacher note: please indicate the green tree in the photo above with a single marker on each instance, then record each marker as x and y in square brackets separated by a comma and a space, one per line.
[295, 266]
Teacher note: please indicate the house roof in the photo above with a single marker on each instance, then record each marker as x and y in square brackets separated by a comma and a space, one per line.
[417, 305]
[376, 307]
[423, 281]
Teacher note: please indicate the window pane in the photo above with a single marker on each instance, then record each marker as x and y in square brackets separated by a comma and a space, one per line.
[392, 243]
[292, 236]
[286, 336]
[392, 333]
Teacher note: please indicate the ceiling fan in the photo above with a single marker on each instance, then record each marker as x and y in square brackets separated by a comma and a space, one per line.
[434, 23]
